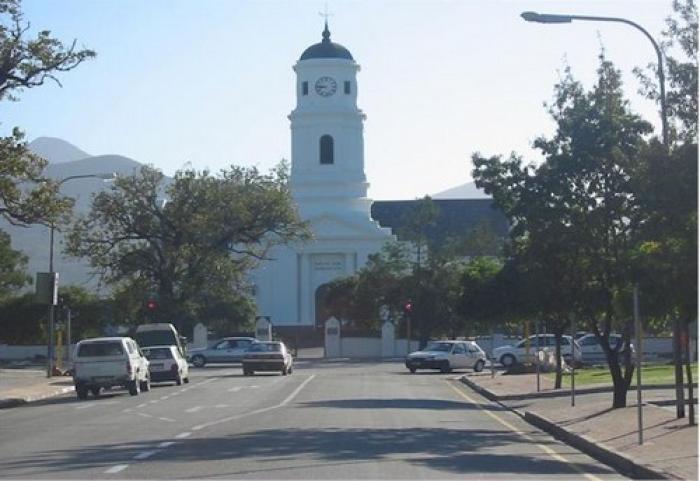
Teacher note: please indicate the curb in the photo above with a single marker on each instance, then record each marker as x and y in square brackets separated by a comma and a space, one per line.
[561, 393]
[599, 451]
[596, 450]
[21, 401]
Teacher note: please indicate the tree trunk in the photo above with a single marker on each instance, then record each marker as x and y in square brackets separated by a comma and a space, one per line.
[689, 374]
[620, 385]
[680, 394]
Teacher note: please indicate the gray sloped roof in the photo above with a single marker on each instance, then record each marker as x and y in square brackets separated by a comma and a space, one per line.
[456, 218]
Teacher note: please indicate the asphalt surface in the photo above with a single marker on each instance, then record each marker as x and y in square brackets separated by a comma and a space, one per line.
[326, 421]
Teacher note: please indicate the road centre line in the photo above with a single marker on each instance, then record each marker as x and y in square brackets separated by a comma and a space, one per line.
[544, 448]
[183, 435]
[166, 444]
[287, 400]
[145, 454]
[116, 469]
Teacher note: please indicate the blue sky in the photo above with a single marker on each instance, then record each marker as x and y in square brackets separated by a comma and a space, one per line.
[210, 82]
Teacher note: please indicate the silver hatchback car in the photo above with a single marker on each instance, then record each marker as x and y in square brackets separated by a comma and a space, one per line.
[226, 350]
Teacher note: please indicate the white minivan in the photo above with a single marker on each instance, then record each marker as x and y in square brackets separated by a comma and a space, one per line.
[105, 362]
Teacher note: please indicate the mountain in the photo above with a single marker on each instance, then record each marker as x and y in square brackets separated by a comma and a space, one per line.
[464, 191]
[56, 151]
[34, 241]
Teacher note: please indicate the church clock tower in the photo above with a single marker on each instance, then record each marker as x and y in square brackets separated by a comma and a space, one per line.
[329, 186]
[327, 142]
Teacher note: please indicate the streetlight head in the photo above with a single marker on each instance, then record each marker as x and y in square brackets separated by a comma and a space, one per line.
[545, 17]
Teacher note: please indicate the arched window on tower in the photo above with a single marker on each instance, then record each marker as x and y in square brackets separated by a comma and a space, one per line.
[326, 149]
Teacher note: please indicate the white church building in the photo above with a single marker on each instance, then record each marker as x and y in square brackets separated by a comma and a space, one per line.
[329, 185]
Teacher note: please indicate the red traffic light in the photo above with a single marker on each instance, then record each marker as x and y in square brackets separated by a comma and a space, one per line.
[408, 307]
[151, 304]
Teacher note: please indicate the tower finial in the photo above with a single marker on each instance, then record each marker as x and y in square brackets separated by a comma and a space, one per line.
[326, 33]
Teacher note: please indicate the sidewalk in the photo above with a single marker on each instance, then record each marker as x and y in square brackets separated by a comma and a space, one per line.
[670, 448]
[21, 386]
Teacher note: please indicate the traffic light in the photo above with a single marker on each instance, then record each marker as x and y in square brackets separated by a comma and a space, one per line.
[151, 305]
[408, 307]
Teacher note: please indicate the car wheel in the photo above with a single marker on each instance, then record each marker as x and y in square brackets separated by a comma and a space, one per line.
[198, 361]
[289, 370]
[95, 391]
[134, 387]
[507, 360]
[445, 368]
[479, 366]
[187, 380]
[81, 391]
[146, 385]
[178, 380]
[285, 371]
[412, 369]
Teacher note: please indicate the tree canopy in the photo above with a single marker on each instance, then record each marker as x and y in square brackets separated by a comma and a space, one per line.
[190, 243]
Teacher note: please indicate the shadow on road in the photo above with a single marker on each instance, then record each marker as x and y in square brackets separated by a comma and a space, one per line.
[448, 450]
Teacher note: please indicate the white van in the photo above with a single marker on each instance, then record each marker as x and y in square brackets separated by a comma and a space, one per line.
[105, 362]
[160, 334]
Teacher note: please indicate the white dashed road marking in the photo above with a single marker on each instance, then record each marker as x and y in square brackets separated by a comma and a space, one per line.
[166, 444]
[145, 454]
[257, 411]
[117, 468]
[182, 435]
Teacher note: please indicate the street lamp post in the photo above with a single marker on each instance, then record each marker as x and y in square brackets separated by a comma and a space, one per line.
[557, 18]
[50, 347]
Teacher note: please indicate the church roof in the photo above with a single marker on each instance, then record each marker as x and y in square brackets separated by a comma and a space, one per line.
[456, 217]
[326, 49]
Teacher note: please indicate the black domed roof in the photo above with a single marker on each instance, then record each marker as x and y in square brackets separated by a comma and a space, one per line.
[326, 49]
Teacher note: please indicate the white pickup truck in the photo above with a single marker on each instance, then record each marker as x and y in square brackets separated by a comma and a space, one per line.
[105, 362]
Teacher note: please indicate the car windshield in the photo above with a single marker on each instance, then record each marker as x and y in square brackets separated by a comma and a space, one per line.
[98, 349]
[157, 353]
[265, 347]
[438, 346]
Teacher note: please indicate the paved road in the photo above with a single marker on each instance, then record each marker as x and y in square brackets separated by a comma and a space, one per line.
[326, 421]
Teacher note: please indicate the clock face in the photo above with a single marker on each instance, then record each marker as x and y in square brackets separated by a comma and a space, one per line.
[325, 86]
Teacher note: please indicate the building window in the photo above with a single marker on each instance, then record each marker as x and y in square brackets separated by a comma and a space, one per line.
[347, 87]
[326, 149]
[305, 88]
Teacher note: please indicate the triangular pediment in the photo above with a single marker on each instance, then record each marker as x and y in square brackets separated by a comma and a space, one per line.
[328, 226]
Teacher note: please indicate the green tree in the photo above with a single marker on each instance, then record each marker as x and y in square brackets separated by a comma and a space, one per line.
[26, 195]
[572, 216]
[189, 242]
[680, 46]
[12, 268]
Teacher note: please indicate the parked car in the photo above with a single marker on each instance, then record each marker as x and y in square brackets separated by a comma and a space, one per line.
[160, 334]
[166, 363]
[267, 356]
[510, 355]
[105, 362]
[228, 349]
[446, 356]
[592, 351]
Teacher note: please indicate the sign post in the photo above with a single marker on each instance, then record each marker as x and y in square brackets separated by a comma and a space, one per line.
[46, 292]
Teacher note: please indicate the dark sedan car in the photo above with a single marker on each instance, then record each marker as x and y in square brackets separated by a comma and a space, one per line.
[267, 356]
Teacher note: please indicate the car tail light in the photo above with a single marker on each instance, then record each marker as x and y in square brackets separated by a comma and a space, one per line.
[129, 369]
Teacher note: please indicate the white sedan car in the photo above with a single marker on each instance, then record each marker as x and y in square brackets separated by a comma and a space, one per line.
[167, 364]
[510, 355]
[446, 356]
[593, 352]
